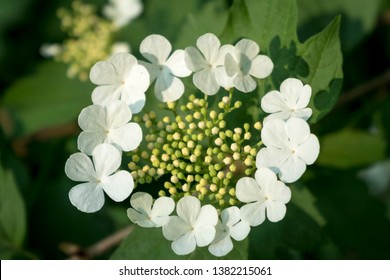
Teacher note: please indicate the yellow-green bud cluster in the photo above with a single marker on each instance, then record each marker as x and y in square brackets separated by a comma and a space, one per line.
[89, 38]
[192, 148]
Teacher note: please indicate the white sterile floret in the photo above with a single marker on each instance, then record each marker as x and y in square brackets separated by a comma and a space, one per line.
[146, 214]
[122, 12]
[289, 148]
[229, 227]
[164, 68]
[245, 62]
[207, 61]
[291, 101]
[98, 177]
[264, 195]
[193, 226]
[120, 47]
[120, 78]
[109, 124]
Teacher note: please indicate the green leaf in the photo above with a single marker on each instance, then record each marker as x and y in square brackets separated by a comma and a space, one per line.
[150, 244]
[12, 212]
[323, 55]
[359, 18]
[292, 238]
[44, 99]
[351, 148]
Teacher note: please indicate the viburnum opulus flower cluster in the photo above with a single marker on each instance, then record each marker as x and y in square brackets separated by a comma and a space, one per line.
[215, 181]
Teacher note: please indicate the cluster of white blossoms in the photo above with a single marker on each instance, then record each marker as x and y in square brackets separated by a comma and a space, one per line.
[212, 196]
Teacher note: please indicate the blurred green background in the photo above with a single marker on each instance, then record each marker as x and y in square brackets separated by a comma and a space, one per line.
[340, 208]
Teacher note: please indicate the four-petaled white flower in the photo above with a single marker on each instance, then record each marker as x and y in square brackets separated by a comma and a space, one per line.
[194, 225]
[120, 78]
[207, 62]
[289, 148]
[291, 101]
[145, 215]
[245, 62]
[229, 227]
[122, 12]
[89, 196]
[163, 68]
[264, 195]
[108, 124]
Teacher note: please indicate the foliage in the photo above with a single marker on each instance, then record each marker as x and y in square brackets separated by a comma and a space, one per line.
[333, 213]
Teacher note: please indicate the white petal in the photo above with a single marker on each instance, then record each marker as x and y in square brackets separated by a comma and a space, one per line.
[244, 83]
[188, 209]
[304, 97]
[168, 88]
[266, 179]
[123, 64]
[248, 190]
[292, 169]
[274, 134]
[298, 131]
[291, 89]
[79, 168]
[127, 137]
[185, 244]
[261, 67]
[175, 228]
[142, 202]
[240, 231]
[231, 65]
[208, 216]
[205, 81]
[138, 79]
[223, 79]
[119, 185]
[309, 150]
[276, 211]
[177, 65]
[194, 59]
[134, 99]
[103, 73]
[273, 102]
[87, 141]
[303, 114]
[161, 210]
[87, 197]
[93, 118]
[253, 213]
[153, 70]
[204, 235]
[222, 247]
[285, 115]
[230, 216]
[155, 48]
[103, 95]
[118, 114]
[140, 219]
[209, 45]
[272, 158]
[106, 159]
[223, 51]
[247, 47]
[279, 192]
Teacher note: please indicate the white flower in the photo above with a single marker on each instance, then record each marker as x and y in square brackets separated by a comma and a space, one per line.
[120, 78]
[265, 195]
[89, 197]
[245, 62]
[207, 62]
[121, 12]
[289, 148]
[229, 226]
[156, 49]
[194, 225]
[291, 101]
[109, 124]
[145, 215]
[50, 50]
